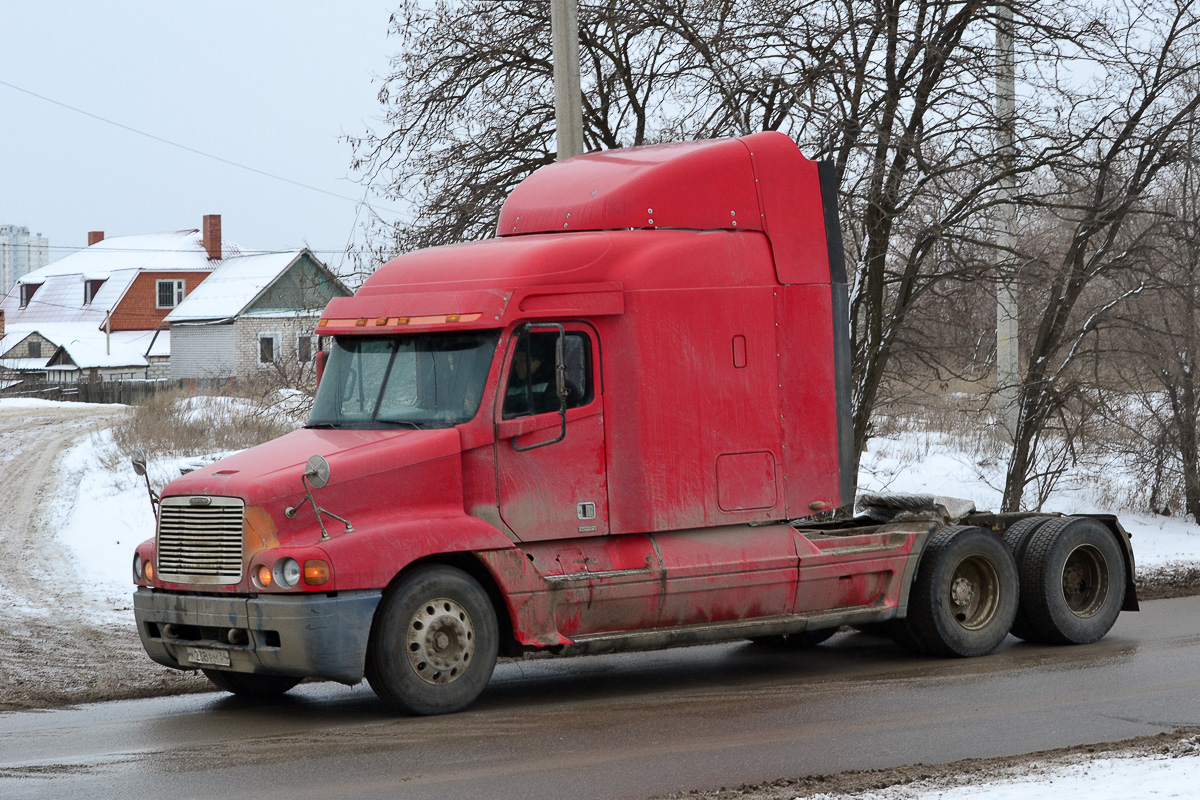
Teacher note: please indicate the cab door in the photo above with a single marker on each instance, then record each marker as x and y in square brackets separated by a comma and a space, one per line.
[551, 475]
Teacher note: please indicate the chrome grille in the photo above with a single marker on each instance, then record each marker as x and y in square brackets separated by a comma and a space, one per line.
[200, 543]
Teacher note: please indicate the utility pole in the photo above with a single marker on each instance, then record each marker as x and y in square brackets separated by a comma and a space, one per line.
[1008, 368]
[568, 98]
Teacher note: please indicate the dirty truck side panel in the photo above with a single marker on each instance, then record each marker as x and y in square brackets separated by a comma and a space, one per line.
[689, 451]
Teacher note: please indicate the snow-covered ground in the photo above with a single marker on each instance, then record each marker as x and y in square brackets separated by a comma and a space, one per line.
[105, 512]
[1134, 778]
[934, 463]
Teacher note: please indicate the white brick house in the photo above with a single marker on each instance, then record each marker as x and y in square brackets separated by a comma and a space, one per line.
[253, 315]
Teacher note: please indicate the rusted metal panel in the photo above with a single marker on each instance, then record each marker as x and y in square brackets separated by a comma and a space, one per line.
[726, 573]
[865, 570]
[603, 583]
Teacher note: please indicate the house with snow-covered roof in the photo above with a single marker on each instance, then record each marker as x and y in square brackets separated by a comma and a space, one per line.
[98, 313]
[253, 315]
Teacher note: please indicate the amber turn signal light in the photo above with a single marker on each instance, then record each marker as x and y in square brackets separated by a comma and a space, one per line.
[262, 576]
[149, 570]
[316, 572]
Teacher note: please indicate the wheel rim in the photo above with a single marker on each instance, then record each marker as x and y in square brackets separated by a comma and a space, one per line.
[441, 641]
[1085, 581]
[974, 592]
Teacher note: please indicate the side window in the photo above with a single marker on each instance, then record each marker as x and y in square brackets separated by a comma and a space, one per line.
[532, 387]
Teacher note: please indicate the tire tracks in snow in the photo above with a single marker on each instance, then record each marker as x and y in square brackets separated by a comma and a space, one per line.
[51, 652]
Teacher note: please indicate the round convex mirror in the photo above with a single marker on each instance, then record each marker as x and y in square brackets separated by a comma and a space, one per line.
[317, 471]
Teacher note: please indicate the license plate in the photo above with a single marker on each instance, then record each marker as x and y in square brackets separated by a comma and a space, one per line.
[200, 655]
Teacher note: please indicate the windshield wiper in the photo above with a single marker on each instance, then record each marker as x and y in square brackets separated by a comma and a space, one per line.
[416, 426]
[324, 425]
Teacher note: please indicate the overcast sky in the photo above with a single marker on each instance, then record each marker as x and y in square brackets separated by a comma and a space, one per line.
[265, 83]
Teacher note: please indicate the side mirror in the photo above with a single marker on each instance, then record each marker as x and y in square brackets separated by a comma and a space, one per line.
[316, 476]
[138, 460]
[320, 365]
[560, 383]
[316, 469]
[575, 368]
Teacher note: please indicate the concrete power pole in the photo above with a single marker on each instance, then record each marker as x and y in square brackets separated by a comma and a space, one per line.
[1008, 368]
[568, 98]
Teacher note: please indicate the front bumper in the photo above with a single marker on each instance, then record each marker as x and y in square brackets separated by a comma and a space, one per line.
[298, 635]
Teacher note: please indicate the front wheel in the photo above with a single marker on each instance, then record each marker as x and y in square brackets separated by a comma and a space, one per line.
[964, 596]
[434, 643]
[248, 684]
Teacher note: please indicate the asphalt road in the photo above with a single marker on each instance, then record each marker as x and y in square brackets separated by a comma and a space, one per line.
[631, 725]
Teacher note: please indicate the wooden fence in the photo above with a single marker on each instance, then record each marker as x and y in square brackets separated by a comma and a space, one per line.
[129, 392]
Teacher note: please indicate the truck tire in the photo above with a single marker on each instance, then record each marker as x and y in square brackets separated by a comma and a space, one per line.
[434, 642]
[964, 596]
[1017, 537]
[796, 641]
[1072, 581]
[248, 684]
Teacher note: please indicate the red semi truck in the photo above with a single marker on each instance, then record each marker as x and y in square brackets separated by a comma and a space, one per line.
[609, 427]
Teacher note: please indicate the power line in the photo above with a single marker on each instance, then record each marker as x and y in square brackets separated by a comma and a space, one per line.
[241, 252]
[190, 149]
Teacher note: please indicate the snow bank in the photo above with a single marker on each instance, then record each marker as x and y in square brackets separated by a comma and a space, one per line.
[934, 463]
[1132, 778]
[7, 403]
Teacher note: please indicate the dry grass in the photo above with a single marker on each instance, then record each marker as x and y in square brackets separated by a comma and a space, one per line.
[180, 424]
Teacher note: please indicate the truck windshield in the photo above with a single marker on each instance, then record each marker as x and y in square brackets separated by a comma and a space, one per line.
[426, 380]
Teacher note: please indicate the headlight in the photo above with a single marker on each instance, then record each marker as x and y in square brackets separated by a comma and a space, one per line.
[137, 567]
[286, 572]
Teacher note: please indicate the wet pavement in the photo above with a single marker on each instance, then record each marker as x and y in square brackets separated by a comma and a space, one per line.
[632, 725]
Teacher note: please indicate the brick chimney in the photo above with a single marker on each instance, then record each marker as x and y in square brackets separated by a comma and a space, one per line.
[95, 237]
[1, 323]
[212, 235]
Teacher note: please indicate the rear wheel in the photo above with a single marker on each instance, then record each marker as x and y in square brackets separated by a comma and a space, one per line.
[248, 684]
[964, 596]
[434, 643]
[1017, 537]
[1072, 581]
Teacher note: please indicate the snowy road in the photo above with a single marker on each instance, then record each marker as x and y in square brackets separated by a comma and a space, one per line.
[52, 648]
[627, 726]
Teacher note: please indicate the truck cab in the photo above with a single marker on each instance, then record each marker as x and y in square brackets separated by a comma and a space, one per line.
[602, 429]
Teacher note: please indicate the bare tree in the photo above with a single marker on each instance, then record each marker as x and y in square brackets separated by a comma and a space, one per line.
[897, 93]
[1157, 343]
[1108, 149]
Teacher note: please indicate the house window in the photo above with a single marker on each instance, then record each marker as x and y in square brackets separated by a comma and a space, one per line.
[268, 348]
[27, 290]
[170, 293]
[35, 349]
[89, 291]
[306, 347]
